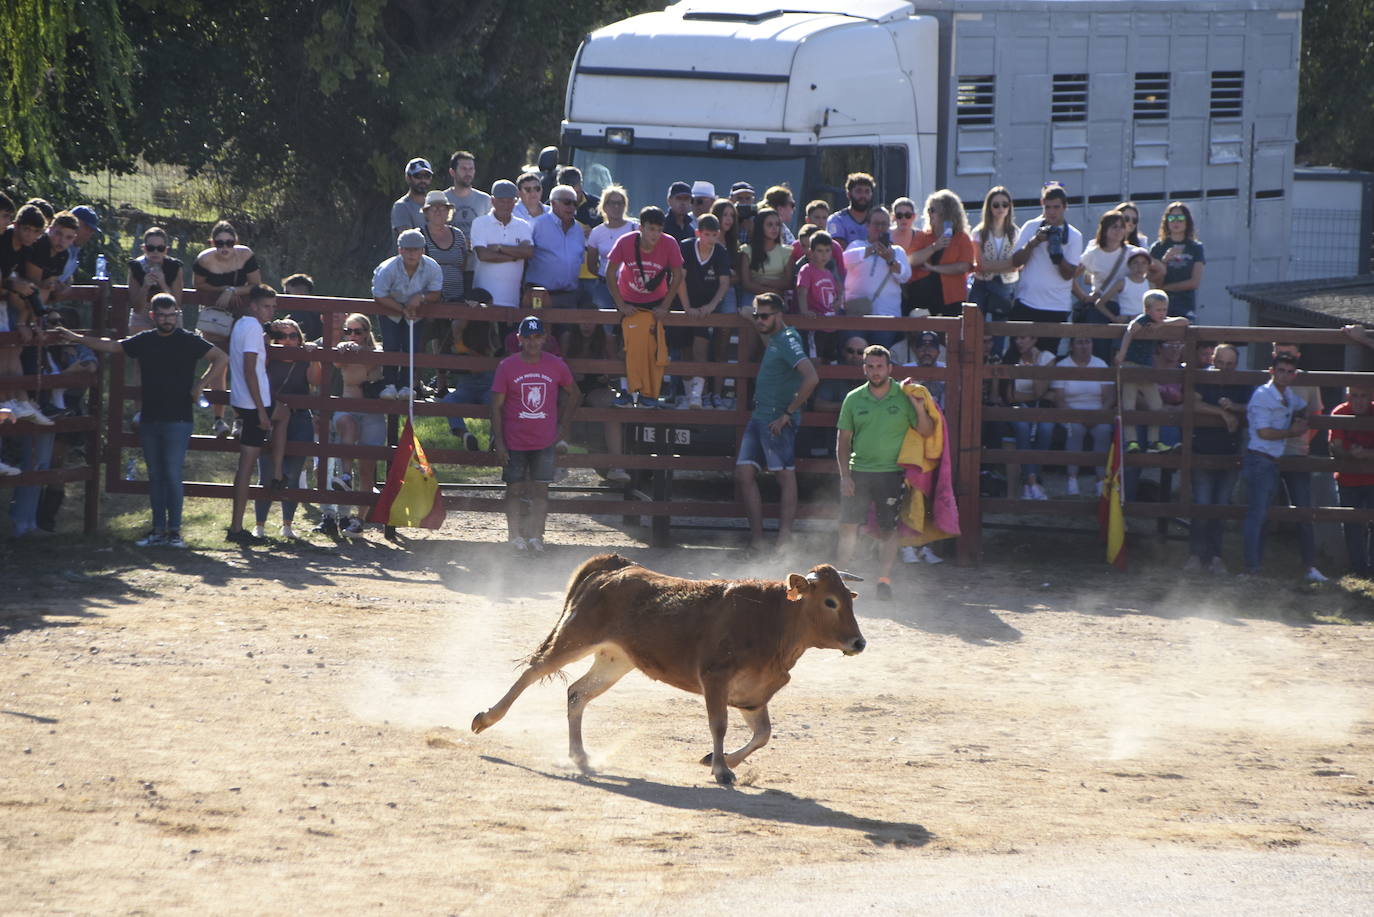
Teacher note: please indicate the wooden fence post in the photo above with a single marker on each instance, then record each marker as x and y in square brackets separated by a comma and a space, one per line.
[969, 437]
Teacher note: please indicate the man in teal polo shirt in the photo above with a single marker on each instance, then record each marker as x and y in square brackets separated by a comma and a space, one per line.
[786, 380]
[873, 422]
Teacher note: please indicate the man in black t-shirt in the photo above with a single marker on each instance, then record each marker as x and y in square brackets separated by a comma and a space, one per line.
[706, 282]
[167, 358]
[1213, 486]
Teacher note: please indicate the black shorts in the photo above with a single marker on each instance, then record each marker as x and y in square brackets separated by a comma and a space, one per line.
[880, 489]
[253, 434]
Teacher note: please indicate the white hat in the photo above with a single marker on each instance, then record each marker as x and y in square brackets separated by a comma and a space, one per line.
[703, 189]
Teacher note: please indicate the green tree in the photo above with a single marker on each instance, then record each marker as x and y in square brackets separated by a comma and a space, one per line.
[1336, 93]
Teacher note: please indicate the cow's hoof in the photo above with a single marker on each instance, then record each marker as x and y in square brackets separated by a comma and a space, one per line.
[480, 722]
[725, 777]
[584, 765]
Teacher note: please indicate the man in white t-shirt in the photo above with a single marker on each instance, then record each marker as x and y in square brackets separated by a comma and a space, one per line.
[1047, 253]
[251, 398]
[503, 243]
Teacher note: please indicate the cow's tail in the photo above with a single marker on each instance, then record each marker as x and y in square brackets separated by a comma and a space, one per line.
[601, 563]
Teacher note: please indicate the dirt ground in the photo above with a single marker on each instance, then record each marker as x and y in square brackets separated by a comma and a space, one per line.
[286, 731]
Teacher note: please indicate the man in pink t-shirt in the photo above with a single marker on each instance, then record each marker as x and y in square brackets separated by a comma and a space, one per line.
[533, 397]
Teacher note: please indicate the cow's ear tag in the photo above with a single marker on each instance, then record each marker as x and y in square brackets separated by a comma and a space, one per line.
[795, 583]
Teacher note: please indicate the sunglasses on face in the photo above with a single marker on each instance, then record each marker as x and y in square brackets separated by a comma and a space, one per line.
[355, 331]
[154, 248]
[1000, 205]
[760, 316]
[224, 243]
[1175, 218]
[1130, 219]
[905, 215]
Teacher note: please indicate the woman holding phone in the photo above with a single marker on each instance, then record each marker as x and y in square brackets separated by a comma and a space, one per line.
[942, 255]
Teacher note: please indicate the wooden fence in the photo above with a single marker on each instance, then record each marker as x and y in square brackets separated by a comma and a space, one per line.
[651, 493]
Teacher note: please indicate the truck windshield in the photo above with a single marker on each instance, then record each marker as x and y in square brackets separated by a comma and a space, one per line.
[647, 175]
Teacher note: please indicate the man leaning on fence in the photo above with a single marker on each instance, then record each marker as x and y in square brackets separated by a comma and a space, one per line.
[785, 381]
[1276, 414]
[167, 357]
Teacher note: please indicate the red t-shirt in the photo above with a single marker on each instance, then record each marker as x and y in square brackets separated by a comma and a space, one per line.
[1352, 438]
[819, 285]
[530, 412]
[667, 254]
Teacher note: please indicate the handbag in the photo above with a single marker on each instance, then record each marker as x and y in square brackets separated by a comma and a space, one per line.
[863, 305]
[1082, 309]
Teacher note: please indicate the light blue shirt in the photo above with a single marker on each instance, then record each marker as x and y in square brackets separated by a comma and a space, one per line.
[558, 255]
[390, 279]
[1270, 409]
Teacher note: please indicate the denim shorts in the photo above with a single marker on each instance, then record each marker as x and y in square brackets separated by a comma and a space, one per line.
[764, 451]
[371, 427]
[529, 465]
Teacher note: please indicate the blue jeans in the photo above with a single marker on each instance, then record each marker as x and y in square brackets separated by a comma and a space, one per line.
[470, 388]
[1298, 484]
[164, 449]
[1358, 535]
[1074, 434]
[1261, 476]
[396, 339]
[1032, 435]
[299, 429]
[1211, 487]
[35, 454]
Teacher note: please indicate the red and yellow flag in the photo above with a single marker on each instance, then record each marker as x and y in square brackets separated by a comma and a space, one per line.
[411, 497]
[1110, 515]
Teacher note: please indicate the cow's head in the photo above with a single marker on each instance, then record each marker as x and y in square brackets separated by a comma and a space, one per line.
[828, 606]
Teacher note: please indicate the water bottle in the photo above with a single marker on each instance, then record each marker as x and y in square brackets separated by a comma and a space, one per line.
[102, 268]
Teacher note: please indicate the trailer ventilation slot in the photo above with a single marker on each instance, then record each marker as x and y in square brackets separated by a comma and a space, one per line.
[1228, 93]
[973, 101]
[1069, 97]
[1151, 97]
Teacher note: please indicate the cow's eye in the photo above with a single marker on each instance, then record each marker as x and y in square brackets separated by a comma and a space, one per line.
[831, 603]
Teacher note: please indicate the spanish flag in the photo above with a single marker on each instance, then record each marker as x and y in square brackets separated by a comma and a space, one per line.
[411, 497]
[1109, 508]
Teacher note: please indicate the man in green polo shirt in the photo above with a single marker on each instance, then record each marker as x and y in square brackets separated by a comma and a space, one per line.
[873, 422]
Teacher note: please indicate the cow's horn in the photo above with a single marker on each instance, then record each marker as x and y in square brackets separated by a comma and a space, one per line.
[812, 578]
[850, 577]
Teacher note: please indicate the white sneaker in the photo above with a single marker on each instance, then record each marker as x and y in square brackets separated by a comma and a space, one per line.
[173, 540]
[9, 471]
[1038, 492]
[536, 545]
[287, 532]
[1071, 487]
[354, 527]
[389, 393]
[617, 475]
[27, 410]
[1315, 576]
[930, 556]
[259, 532]
[519, 546]
[909, 555]
[151, 540]
[404, 393]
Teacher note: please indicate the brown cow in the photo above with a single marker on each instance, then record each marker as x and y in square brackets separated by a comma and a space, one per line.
[732, 641]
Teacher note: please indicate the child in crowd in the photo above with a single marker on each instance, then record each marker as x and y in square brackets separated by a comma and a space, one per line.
[1134, 286]
[820, 291]
[1140, 354]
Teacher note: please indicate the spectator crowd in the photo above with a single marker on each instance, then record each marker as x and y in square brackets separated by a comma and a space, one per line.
[540, 247]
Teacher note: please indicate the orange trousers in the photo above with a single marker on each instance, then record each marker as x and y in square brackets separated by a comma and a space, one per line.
[646, 352]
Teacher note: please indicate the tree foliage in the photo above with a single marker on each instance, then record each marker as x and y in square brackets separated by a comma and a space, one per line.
[1336, 92]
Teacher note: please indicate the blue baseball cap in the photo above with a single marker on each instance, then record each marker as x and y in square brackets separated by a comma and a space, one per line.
[531, 325]
[88, 216]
